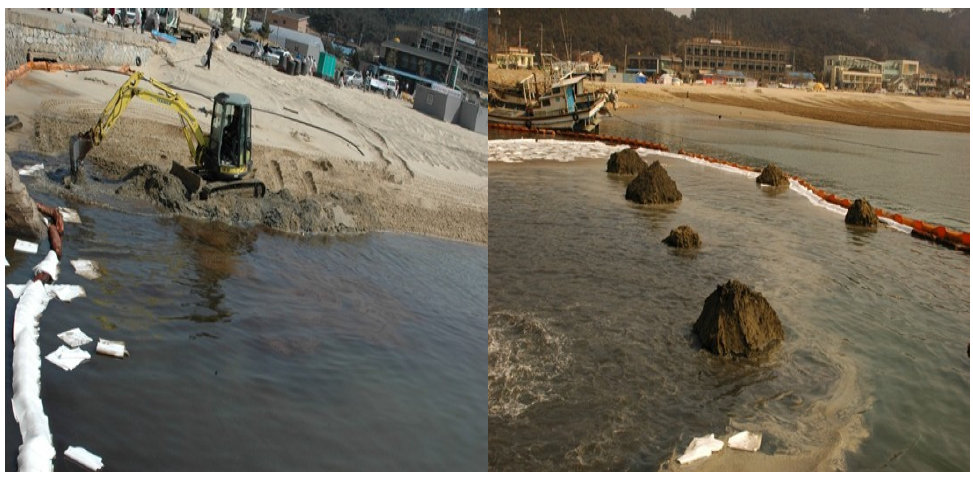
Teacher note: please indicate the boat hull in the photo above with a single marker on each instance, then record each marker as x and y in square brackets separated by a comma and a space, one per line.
[582, 120]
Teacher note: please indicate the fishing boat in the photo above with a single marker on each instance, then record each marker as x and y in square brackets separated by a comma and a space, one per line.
[566, 106]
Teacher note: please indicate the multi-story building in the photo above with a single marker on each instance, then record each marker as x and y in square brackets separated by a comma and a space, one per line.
[454, 54]
[289, 20]
[464, 43]
[852, 73]
[765, 63]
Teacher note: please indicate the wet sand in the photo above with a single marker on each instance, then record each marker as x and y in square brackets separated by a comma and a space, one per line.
[386, 166]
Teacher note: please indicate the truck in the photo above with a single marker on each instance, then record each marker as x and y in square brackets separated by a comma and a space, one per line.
[383, 83]
[182, 25]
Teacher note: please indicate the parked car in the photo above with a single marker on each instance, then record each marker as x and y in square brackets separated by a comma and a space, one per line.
[246, 46]
[355, 79]
[272, 55]
[125, 17]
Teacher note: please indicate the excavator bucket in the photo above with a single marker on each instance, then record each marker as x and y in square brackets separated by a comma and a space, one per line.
[79, 148]
[189, 179]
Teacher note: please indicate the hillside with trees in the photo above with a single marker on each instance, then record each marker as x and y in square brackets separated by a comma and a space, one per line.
[940, 41]
[376, 25]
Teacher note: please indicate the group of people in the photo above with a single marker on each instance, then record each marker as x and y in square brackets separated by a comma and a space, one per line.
[143, 18]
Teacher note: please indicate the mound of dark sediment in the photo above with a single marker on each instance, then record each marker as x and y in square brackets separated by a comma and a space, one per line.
[653, 186]
[773, 176]
[861, 214]
[737, 321]
[156, 185]
[682, 237]
[626, 162]
[278, 210]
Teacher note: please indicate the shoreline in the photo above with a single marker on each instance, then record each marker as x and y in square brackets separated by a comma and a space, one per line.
[796, 106]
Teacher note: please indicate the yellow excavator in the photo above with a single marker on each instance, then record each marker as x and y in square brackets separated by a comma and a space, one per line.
[222, 158]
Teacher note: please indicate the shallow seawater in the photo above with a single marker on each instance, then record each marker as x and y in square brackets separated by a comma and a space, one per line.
[592, 360]
[920, 174]
[260, 351]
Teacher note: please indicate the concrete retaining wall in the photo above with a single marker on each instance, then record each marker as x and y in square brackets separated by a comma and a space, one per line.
[59, 38]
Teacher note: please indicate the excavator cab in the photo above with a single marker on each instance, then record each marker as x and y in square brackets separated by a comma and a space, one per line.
[228, 153]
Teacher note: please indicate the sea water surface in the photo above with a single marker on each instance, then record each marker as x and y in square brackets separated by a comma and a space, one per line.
[255, 351]
[592, 360]
[919, 174]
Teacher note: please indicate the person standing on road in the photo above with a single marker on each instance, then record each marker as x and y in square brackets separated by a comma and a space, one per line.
[209, 54]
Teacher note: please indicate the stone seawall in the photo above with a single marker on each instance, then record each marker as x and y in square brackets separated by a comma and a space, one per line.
[65, 39]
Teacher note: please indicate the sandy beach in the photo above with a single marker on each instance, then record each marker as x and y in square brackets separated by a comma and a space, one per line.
[885, 111]
[389, 167]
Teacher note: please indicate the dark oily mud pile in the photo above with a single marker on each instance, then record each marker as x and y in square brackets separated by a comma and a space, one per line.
[626, 162]
[682, 237]
[773, 176]
[861, 214]
[653, 186]
[277, 210]
[737, 321]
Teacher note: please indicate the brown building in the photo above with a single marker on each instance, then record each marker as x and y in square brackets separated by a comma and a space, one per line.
[592, 57]
[290, 20]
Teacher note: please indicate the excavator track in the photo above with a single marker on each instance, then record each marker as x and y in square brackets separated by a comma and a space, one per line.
[191, 177]
[259, 189]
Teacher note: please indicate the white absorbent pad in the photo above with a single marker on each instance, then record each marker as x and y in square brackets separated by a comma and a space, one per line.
[83, 457]
[111, 348]
[67, 358]
[66, 293]
[25, 246]
[86, 268]
[31, 170]
[70, 215]
[74, 338]
[62, 292]
[701, 448]
[746, 441]
[49, 265]
[16, 290]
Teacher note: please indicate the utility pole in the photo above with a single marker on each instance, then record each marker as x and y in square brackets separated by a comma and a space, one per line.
[625, 64]
[542, 46]
[520, 37]
[452, 56]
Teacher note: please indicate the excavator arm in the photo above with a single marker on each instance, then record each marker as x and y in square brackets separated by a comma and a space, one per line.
[165, 96]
